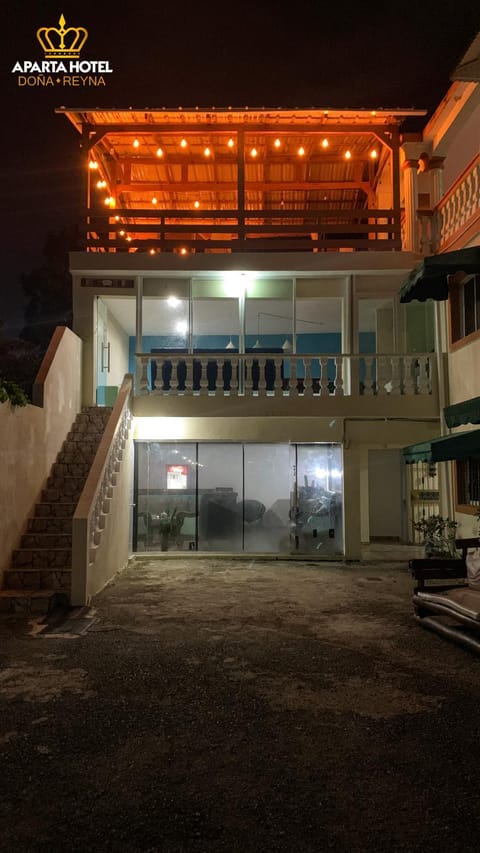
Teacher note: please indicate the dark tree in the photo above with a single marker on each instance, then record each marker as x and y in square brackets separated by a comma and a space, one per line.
[48, 289]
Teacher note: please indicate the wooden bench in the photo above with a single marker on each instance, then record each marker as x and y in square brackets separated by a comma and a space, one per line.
[452, 609]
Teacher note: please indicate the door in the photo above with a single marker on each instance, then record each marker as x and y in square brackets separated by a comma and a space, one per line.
[317, 499]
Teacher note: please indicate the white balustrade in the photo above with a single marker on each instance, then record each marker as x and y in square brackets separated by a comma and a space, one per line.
[264, 374]
[458, 207]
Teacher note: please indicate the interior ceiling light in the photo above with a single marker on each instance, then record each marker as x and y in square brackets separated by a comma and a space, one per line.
[373, 154]
[92, 164]
[230, 143]
[154, 199]
[122, 233]
[136, 143]
[128, 239]
[325, 143]
[159, 152]
[183, 250]
[277, 143]
[207, 151]
[152, 251]
[301, 151]
[183, 143]
[348, 155]
[196, 203]
[117, 219]
[173, 301]
[253, 152]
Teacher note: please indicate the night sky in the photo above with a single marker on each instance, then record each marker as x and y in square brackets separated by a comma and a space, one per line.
[300, 54]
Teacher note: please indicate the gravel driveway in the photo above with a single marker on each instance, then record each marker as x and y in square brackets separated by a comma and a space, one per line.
[219, 705]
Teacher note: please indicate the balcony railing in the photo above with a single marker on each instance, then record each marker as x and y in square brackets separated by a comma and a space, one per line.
[264, 374]
[252, 230]
[459, 209]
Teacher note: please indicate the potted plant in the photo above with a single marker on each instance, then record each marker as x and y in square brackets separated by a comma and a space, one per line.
[438, 536]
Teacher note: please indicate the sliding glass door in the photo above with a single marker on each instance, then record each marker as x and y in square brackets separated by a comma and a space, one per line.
[234, 498]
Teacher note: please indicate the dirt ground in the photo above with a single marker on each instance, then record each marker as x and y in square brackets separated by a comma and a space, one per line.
[219, 705]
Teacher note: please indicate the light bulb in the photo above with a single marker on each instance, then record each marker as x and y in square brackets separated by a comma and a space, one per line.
[196, 203]
[348, 155]
[373, 154]
[159, 152]
[253, 152]
[183, 251]
[136, 143]
[183, 143]
[207, 152]
[325, 143]
[230, 143]
[301, 151]
[93, 164]
[154, 200]
[277, 143]
[152, 251]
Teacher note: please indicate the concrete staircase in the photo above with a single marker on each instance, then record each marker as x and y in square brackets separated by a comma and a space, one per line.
[40, 569]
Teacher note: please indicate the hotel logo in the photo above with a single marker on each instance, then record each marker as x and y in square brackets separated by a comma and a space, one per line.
[62, 42]
[62, 65]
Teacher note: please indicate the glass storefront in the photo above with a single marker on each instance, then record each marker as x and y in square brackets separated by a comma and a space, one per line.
[233, 497]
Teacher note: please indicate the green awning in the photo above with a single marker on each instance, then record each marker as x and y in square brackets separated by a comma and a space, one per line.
[466, 412]
[429, 280]
[458, 446]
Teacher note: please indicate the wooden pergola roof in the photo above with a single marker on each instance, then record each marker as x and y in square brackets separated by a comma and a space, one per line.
[206, 163]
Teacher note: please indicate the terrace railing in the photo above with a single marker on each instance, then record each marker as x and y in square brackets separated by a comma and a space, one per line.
[253, 230]
[267, 374]
[459, 209]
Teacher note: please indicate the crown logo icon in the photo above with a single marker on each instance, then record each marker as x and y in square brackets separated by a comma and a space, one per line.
[62, 42]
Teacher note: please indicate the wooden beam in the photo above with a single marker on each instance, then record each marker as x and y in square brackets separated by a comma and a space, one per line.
[232, 186]
[323, 127]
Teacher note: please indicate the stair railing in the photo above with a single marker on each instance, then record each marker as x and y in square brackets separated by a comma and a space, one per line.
[95, 503]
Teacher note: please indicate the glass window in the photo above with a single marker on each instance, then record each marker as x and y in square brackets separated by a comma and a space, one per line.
[465, 308]
[317, 510]
[165, 511]
[468, 482]
[266, 508]
[220, 497]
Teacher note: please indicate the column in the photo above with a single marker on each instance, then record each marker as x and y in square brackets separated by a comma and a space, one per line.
[351, 502]
[411, 204]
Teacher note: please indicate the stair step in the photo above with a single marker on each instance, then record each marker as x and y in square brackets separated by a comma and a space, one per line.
[39, 579]
[46, 539]
[57, 509]
[37, 600]
[70, 469]
[49, 524]
[69, 482]
[51, 495]
[41, 558]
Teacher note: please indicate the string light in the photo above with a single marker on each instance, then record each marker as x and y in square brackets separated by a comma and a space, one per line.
[122, 233]
[183, 143]
[101, 185]
[136, 143]
[92, 164]
[348, 155]
[159, 152]
[325, 143]
[230, 143]
[196, 203]
[128, 239]
[373, 154]
[183, 251]
[253, 152]
[152, 251]
[154, 199]
[277, 143]
[207, 152]
[301, 151]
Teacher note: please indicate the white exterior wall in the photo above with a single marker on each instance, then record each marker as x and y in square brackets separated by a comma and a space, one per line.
[31, 437]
